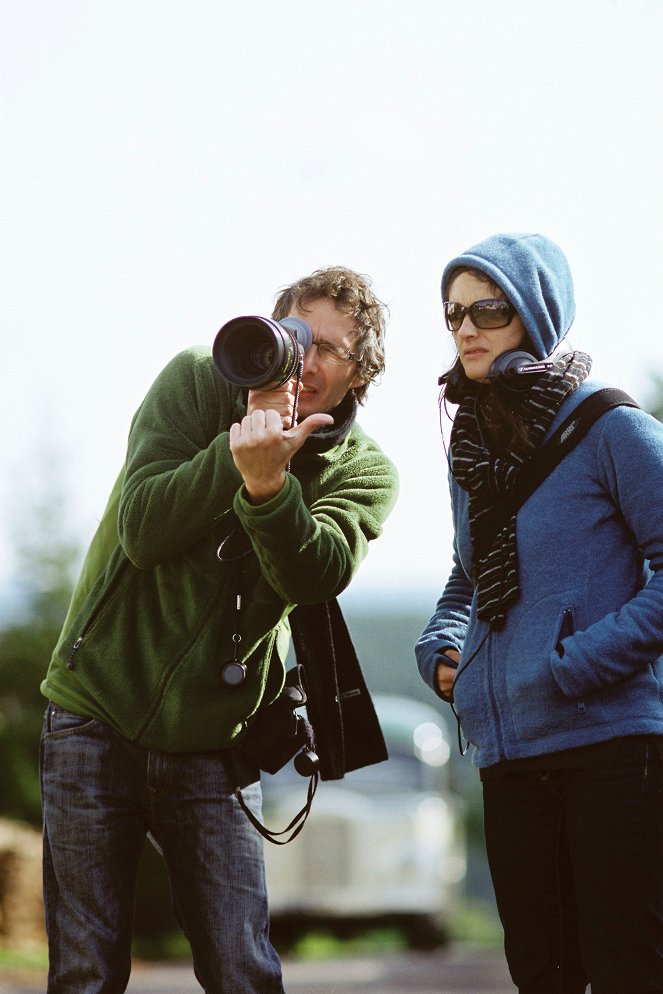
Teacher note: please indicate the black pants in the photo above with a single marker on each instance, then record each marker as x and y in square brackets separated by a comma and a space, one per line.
[576, 858]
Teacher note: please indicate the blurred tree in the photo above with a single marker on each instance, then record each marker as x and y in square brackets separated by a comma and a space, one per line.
[655, 406]
[43, 561]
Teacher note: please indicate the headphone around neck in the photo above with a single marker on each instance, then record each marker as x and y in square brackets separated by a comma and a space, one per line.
[514, 370]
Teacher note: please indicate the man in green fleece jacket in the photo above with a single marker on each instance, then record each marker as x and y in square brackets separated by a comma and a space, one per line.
[141, 709]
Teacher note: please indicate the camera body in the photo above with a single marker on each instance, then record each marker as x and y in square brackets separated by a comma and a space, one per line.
[277, 733]
[253, 351]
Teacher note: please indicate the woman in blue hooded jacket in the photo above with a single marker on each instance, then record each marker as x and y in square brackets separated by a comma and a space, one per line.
[548, 635]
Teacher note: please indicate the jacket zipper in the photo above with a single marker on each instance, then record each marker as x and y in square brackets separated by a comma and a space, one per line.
[74, 649]
[71, 664]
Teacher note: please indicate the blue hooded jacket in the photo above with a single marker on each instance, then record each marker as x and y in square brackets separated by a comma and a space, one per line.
[578, 660]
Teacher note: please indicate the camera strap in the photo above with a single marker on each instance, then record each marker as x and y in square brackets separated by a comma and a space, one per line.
[294, 739]
[295, 826]
[299, 377]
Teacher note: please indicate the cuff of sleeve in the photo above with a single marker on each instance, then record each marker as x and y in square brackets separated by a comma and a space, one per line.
[245, 508]
[427, 660]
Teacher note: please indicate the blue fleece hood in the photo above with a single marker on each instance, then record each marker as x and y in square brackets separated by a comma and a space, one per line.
[534, 274]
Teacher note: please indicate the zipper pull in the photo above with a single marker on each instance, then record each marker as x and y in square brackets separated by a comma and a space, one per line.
[74, 649]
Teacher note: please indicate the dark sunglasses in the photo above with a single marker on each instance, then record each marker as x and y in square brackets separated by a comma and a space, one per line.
[483, 314]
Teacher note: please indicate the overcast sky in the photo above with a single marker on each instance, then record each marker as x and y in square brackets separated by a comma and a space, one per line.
[169, 165]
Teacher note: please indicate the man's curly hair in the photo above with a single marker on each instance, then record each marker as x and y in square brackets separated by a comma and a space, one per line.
[351, 293]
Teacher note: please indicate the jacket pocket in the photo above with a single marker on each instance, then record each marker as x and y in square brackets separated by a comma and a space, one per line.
[61, 722]
[98, 610]
[536, 703]
[566, 628]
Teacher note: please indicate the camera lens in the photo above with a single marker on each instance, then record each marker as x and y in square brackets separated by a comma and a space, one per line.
[306, 763]
[258, 352]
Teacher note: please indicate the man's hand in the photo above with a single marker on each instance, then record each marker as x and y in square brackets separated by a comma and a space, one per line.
[262, 450]
[446, 673]
[281, 400]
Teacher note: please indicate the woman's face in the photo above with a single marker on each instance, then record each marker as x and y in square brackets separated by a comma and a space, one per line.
[477, 347]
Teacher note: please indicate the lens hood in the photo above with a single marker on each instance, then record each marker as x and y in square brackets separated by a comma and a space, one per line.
[253, 351]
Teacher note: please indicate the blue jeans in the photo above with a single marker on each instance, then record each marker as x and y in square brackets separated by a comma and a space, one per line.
[101, 795]
[576, 858]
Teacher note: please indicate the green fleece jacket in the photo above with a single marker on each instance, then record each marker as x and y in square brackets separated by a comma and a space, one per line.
[152, 618]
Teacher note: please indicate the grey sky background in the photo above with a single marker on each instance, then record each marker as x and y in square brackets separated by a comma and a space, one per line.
[169, 165]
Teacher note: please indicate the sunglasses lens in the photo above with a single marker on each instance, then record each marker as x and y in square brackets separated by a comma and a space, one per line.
[491, 313]
[454, 314]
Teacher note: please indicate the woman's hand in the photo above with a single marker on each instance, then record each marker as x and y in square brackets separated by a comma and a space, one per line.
[446, 673]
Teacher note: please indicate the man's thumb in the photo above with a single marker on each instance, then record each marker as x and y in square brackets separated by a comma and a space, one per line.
[302, 431]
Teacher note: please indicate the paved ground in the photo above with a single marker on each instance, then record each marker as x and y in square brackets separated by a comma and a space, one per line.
[456, 970]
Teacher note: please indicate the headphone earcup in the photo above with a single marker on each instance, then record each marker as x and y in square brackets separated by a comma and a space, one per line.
[503, 371]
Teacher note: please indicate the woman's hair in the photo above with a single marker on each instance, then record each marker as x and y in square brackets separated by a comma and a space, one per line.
[501, 420]
[479, 275]
[351, 293]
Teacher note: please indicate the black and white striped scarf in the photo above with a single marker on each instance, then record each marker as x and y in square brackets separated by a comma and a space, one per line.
[488, 476]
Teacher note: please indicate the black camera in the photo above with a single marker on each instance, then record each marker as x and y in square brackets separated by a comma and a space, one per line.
[277, 733]
[256, 352]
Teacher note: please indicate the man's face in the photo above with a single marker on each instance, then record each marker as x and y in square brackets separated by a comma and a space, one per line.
[328, 373]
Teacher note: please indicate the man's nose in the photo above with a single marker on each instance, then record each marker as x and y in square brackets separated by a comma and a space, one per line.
[311, 360]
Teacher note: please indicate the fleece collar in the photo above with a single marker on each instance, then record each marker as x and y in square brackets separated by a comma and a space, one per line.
[328, 436]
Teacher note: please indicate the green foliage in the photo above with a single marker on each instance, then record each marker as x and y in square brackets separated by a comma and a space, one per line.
[384, 634]
[476, 921]
[320, 944]
[43, 564]
[34, 959]
[655, 407]
[24, 648]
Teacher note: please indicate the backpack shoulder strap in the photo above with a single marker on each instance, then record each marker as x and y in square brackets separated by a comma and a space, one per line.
[560, 443]
[566, 437]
